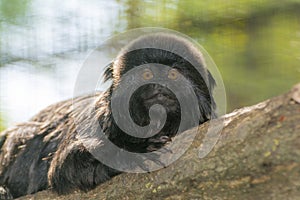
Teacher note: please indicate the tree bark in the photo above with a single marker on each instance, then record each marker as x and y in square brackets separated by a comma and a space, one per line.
[257, 156]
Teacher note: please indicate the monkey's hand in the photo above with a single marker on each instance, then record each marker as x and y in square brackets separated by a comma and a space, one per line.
[157, 143]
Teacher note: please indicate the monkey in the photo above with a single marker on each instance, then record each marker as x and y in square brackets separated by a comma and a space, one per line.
[47, 152]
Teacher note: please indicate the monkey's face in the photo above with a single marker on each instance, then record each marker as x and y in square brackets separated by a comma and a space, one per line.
[155, 93]
[152, 93]
[161, 86]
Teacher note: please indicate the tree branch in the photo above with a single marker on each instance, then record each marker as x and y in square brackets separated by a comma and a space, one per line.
[256, 157]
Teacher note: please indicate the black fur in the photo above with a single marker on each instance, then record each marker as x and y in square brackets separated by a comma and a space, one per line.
[47, 151]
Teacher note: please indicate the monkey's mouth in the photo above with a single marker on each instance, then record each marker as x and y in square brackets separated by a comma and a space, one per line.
[166, 101]
[152, 94]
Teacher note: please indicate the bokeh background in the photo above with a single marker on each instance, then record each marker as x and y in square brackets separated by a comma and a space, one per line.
[254, 43]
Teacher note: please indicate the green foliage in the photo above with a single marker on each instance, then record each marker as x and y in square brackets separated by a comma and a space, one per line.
[13, 10]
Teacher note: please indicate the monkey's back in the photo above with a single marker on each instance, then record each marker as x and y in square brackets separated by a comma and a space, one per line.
[27, 149]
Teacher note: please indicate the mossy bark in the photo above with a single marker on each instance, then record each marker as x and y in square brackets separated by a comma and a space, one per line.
[257, 156]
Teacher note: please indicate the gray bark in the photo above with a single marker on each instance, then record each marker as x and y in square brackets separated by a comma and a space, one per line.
[257, 156]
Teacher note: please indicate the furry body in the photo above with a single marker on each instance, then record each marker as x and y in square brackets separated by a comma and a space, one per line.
[46, 152]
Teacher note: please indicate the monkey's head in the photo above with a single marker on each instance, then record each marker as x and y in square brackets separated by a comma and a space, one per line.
[161, 59]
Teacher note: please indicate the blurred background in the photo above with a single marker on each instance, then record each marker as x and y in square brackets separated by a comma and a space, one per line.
[254, 43]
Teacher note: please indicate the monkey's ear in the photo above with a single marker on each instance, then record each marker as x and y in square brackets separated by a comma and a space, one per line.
[108, 73]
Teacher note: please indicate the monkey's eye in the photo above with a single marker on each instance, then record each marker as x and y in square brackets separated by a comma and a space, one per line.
[147, 75]
[173, 74]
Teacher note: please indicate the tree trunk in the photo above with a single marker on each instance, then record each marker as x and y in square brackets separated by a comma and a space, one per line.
[257, 156]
